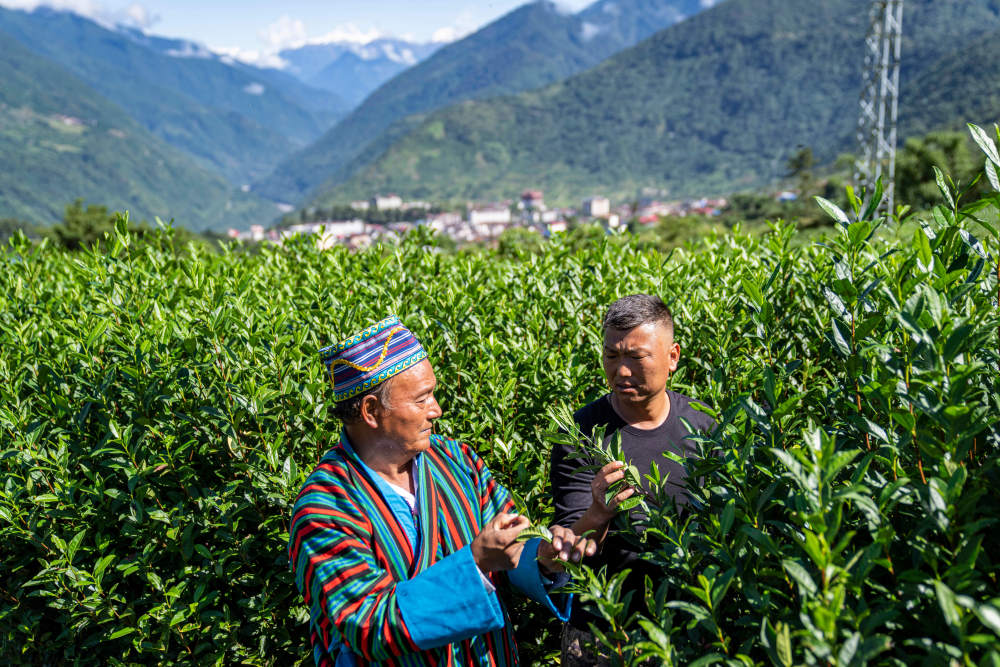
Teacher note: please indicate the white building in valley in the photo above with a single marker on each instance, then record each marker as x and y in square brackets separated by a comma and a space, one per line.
[386, 202]
[596, 207]
[489, 215]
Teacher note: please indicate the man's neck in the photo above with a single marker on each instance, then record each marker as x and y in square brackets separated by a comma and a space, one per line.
[386, 460]
[644, 415]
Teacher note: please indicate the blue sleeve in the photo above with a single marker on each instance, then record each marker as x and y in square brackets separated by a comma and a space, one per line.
[447, 602]
[527, 578]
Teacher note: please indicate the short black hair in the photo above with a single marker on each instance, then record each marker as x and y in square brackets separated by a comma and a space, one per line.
[349, 411]
[635, 310]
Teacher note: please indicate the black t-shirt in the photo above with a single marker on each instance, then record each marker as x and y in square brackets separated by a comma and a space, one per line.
[571, 491]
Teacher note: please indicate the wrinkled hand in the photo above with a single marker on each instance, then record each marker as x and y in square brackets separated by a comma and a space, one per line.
[599, 486]
[565, 546]
[496, 546]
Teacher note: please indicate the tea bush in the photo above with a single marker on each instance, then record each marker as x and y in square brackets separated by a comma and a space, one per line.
[160, 406]
[845, 509]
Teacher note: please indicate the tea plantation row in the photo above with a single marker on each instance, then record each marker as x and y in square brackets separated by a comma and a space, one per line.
[159, 408]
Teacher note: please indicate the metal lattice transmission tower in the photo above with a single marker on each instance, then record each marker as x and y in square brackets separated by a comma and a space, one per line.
[880, 100]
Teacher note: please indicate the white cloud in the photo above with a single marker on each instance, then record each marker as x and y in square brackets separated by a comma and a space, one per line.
[568, 6]
[283, 33]
[138, 16]
[448, 34]
[290, 33]
[85, 7]
[562, 6]
[405, 56]
[254, 89]
[349, 33]
[233, 54]
[463, 25]
[133, 16]
[611, 8]
[589, 31]
[705, 4]
[190, 50]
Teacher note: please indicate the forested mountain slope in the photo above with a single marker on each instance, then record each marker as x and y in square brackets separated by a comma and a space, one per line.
[532, 46]
[234, 119]
[961, 87]
[60, 139]
[715, 104]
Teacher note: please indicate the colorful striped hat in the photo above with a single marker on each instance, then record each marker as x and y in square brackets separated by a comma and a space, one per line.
[370, 357]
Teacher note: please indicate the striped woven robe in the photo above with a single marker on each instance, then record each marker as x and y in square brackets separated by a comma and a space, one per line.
[372, 597]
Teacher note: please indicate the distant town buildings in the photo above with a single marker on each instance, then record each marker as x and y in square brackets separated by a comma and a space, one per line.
[650, 211]
[483, 222]
[328, 233]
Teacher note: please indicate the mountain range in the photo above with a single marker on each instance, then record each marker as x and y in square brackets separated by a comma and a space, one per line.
[352, 70]
[534, 45]
[715, 104]
[692, 96]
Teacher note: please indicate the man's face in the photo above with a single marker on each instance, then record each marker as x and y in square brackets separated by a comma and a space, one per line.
[412, 409]
[638, 362]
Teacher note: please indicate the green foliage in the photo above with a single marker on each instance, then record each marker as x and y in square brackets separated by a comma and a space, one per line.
[160, 409]
[11, 226]
[915, 162]
[591, 451]
[86, 228]
[82, 228]
[518, 242]
[531, 532]
[672, 232]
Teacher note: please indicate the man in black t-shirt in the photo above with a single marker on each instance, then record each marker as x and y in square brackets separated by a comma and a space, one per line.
[639, 355]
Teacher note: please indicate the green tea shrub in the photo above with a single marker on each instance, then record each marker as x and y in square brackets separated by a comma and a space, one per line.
[159, 410]
[849, 513]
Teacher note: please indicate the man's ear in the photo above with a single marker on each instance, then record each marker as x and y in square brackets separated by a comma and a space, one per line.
[371, 411]
[674, 357]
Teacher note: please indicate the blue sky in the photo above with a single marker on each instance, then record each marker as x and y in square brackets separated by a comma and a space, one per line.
[253, 28]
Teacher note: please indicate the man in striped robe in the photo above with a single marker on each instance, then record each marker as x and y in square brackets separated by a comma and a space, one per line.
[400, 538]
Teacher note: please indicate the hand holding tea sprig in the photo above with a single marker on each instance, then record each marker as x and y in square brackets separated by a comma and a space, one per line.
[564, 547]
[559, 545]
[610, 489]
[616, 486]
